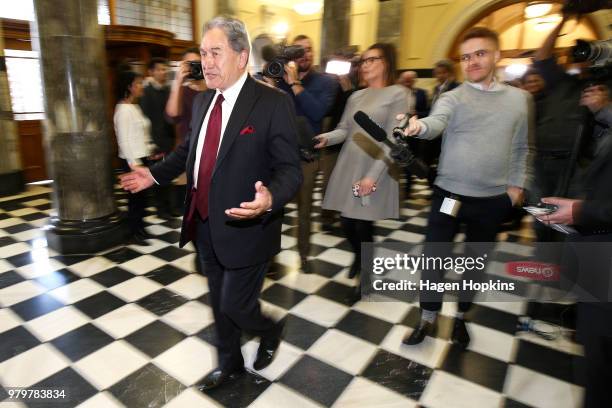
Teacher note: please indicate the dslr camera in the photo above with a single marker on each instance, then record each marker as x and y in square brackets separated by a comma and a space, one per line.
[276, 56]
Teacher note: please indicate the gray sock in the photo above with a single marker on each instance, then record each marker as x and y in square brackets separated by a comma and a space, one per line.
[428, 316]
[459, 315]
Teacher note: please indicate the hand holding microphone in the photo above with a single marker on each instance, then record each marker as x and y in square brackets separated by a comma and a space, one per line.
[400, 152]
[410, 127]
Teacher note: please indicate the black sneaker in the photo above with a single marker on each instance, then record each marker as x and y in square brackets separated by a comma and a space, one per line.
[460, 335]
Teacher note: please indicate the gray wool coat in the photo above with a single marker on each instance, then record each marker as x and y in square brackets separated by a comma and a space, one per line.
[361, 156]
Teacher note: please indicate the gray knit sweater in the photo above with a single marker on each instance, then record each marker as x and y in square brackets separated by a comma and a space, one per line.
[487, 142]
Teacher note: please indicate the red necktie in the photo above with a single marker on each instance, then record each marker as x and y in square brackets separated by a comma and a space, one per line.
[208, 158]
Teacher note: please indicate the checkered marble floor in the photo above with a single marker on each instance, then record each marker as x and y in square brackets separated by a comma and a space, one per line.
[133, 327]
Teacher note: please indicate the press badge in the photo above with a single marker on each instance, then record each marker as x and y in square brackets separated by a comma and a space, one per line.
[450, 206]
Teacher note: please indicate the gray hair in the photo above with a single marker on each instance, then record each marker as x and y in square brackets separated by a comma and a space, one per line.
[234, 29]
[446, 64]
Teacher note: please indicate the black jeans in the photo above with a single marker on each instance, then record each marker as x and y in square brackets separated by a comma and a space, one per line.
[137, 202]
[481, 217]
[234, 297]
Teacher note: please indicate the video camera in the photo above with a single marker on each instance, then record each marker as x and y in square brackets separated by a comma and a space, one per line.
[599, 55]
[276, 56]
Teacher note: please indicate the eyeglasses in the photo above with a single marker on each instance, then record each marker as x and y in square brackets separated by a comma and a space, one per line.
[476, 54]
[370, 60]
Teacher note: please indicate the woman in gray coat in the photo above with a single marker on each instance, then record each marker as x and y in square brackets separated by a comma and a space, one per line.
[364, 165]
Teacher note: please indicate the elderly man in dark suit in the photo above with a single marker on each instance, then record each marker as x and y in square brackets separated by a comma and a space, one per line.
[242, 167]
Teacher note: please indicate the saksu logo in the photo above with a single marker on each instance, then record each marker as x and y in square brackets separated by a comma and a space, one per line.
[534, 270]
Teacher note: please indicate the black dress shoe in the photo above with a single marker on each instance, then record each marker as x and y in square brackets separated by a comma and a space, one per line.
[219, 377]
[354, 295]
[144, 234]
[266, 353]
[138, 240]
[305, 266]
[460, 335]
[355, 269]
[418, 334]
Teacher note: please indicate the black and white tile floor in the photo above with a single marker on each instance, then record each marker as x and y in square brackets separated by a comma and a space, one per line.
[132, 327]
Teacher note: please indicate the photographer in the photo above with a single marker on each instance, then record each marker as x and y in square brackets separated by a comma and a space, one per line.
[313, 94]
[592, 217]
[558, 124]
[183, 90]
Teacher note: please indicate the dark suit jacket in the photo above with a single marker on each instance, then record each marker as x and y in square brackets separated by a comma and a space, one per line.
[268, 154]
[421, 107]
[596, 213]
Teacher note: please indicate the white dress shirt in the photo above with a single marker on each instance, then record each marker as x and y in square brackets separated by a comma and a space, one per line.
[230, 95]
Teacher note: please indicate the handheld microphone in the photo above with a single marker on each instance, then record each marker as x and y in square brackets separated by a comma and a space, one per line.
[372, 128]
[400, 152]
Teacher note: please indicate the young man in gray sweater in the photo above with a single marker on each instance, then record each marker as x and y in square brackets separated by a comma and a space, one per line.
[484, 165]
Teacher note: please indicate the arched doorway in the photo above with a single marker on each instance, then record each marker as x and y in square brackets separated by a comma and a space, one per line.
[519, 32]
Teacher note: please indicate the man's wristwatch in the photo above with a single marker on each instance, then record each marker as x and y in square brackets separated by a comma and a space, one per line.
[298, 82]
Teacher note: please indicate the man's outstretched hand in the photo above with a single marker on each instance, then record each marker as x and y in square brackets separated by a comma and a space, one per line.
[255, 208]
[137, 180]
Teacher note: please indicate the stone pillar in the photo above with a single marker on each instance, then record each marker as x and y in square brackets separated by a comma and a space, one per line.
[390, 22]
[11, 174]
[77, 127]
[335, 30]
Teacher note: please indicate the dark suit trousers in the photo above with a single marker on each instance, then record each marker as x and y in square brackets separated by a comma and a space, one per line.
[137, 203]
[595, 333]
[482, 218]
[234, 297]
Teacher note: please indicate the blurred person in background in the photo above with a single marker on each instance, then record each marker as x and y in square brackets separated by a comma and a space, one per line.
[417, 103]
[153, 104]
[363, 163]
[417, 96]
[133, 131]
[444, 72]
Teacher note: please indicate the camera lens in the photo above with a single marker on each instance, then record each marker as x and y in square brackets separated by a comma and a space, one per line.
[275, 69]
[195, 70]
[582, 51]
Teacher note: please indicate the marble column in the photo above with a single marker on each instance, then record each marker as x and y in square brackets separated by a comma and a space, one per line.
[390, 22]
[11, 174]
[335, 30]
[77, 127]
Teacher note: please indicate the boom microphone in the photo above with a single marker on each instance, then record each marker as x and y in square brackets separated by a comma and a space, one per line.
[400, 152]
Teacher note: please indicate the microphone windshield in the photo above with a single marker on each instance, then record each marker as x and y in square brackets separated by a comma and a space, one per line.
[371, 127]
